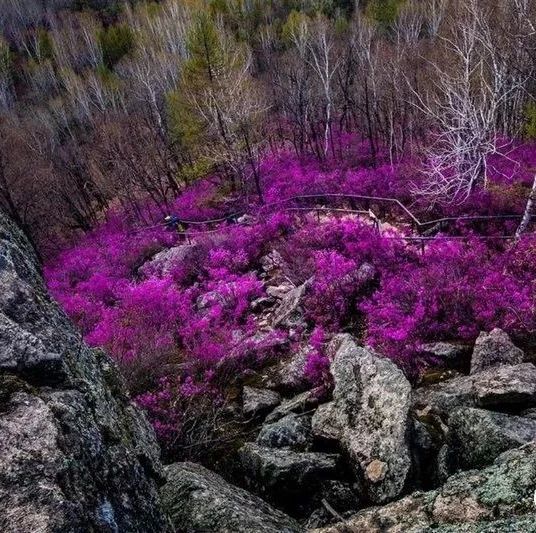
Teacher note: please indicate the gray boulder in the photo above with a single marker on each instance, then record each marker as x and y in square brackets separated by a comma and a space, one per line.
[476, 437]
[505, 386]
[498, 499]
[448, 354]
[290, 480]
[23, 352]
[529, 413]
[371, 402]
[289, 312]
[292, 431]
[200, 500]
[75, 453]
[257, 402]
[163, 262]
[494, 349]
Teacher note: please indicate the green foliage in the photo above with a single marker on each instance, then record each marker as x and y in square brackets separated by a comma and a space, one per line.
[194, 171]
[108, 78]
[107, 8]
[116, 42]
[529, 127]
[200, 73]
[185, 129]
[341, 25]
[205, 50]
[219, 6]
[292, 25]
[384, 12]
[6, 60]
[152, 9]
[45, 46]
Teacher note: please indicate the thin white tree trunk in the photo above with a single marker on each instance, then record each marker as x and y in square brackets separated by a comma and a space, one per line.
[528, 210]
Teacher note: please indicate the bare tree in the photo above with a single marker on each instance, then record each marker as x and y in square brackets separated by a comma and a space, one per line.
[321, 58]
[463, 106]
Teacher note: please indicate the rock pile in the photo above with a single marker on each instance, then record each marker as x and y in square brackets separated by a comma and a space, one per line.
[358, 458]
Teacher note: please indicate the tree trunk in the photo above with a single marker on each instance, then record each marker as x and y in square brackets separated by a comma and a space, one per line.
[528, 211]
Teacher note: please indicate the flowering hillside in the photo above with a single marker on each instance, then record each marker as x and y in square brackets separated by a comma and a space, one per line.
[186, 325]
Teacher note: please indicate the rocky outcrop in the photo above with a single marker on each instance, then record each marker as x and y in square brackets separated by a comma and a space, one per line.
[200, 500]
[75, 454]
[292, 431]
[370, 417]
[325, 423]
[506, 386]
[498, 499]
[476, 437]
[494, 349]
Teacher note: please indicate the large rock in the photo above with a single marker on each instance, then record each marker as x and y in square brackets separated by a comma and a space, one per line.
[371, 402]
[200, 500]
[498, 499]
[293, 431]
[163, 263]
[258, 401]
[499, 387]
[290, 480]
[326, 423]
[75, 453]
[476, 437]
[494, 349]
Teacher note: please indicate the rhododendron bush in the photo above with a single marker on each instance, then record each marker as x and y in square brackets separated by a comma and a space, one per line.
[185, 333]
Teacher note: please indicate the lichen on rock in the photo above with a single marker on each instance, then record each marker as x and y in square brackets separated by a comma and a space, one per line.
[75, 453]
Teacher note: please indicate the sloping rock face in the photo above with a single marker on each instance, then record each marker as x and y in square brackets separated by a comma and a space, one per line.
[498, 499]
[75, 454]
[200, 500]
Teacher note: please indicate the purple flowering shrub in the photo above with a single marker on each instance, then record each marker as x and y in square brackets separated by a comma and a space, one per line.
[184, 336]
[452, 293]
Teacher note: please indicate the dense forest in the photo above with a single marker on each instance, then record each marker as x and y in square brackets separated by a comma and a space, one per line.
[106, 103]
